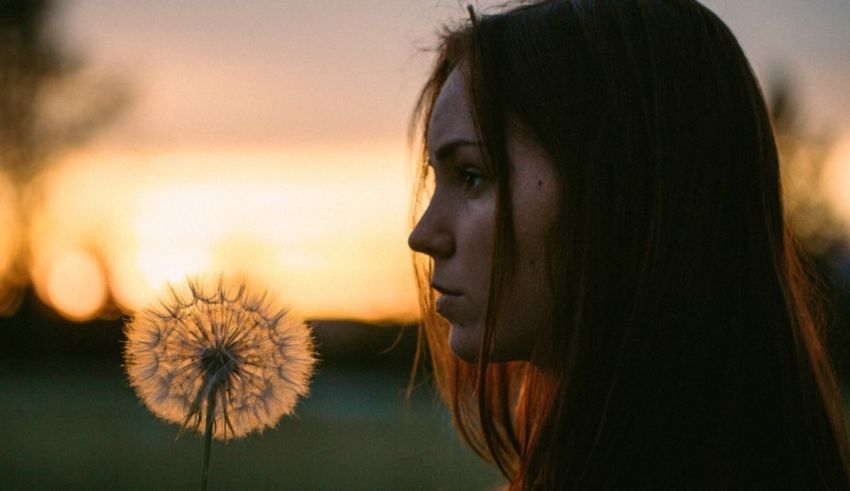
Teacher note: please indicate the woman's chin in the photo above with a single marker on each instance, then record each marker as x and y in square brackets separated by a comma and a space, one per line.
[464, 342]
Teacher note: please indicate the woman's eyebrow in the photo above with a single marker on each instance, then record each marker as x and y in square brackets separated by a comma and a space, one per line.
[445, 150]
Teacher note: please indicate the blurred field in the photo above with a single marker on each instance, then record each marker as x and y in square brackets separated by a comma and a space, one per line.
[77, 425]
[70, 421]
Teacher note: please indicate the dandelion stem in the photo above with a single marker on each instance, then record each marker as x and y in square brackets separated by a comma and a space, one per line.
[208, 431]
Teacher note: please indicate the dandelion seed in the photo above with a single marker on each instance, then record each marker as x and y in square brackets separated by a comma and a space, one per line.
[220, 354]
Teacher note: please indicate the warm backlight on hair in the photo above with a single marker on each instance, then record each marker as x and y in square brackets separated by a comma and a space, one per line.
[325, 229]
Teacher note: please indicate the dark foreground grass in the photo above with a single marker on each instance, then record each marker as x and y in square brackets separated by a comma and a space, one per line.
[76, 425]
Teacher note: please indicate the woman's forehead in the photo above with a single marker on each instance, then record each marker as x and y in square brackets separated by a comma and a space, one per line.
[451, 118]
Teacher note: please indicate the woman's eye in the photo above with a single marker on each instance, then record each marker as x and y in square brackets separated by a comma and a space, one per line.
[472, 179]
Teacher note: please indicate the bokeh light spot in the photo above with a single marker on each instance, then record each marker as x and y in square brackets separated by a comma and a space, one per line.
[76, 286]
[837, 179]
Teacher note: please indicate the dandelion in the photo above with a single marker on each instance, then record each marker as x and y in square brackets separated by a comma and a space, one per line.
[221, 354]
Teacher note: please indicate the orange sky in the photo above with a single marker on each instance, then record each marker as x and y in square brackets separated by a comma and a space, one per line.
[268, 138]
[297, 221]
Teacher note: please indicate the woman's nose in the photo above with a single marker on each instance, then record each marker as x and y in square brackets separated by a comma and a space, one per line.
[432, 236]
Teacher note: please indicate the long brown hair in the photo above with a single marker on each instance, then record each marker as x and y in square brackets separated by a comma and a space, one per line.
[684, 349]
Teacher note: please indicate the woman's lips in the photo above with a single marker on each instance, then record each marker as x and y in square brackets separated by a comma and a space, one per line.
[447, 301]
[443, 290]
[445, 304]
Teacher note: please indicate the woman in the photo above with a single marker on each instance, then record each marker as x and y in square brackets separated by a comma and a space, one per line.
[620, 303]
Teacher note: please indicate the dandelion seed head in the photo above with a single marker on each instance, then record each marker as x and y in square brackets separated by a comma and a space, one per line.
[221, 340]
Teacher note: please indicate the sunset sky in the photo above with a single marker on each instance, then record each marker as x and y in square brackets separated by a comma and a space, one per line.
[269, 138]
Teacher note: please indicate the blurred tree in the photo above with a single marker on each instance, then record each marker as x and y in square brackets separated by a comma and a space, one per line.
[813, 218]
[48, 105]
[35, 124]
[803, 157]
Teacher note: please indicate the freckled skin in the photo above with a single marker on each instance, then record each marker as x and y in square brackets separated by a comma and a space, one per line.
[457, 231]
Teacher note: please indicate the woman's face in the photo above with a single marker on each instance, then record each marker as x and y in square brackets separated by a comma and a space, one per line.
[458, 230]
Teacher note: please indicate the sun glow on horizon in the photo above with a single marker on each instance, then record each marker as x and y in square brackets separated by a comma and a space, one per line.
[325, 229]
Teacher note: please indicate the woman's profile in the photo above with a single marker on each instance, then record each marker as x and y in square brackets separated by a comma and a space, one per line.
[611, 298]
